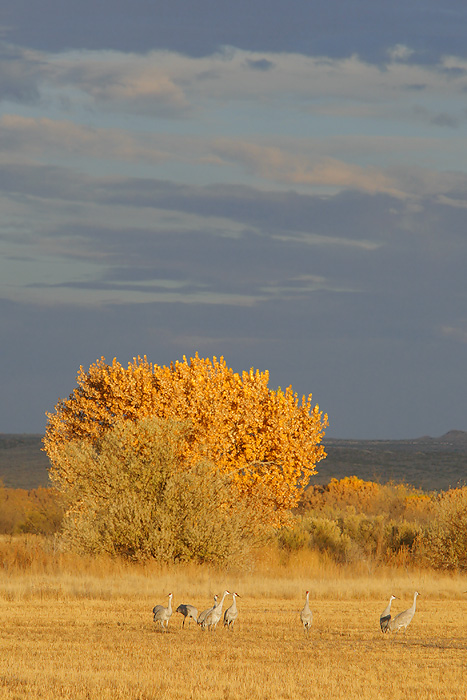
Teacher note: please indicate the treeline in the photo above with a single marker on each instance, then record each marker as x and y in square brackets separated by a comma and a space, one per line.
[348, 520]
[352, 520]
[39, 511]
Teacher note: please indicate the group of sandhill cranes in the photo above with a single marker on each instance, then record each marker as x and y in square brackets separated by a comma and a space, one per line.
[207, 619]
[401, 621]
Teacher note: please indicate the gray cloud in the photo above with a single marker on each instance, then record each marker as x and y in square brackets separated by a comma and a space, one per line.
[20, 72]
[445, 120]
[316, 27]
[261, 64]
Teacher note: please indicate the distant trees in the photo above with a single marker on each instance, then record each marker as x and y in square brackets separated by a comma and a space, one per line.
[133, 441]
[352, 520]
[444, 545]
[38, 511]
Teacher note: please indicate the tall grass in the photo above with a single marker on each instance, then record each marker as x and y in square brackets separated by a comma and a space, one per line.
[32, 567]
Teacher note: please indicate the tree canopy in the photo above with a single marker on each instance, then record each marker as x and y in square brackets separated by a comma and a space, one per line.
[267, 442]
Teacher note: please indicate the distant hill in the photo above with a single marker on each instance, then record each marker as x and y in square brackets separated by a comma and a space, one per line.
[23, 465]
[426, 462]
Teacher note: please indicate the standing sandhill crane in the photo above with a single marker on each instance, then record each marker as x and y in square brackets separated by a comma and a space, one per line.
[386, 615]
[306, 616]
[405, 617]
[202, 615]
[187, 611]
[214, 615]
[231, 613]
[162, 614]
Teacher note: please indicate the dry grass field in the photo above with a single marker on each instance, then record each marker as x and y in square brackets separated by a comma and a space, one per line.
[83, 630]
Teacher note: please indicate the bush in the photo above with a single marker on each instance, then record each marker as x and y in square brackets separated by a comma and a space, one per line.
[443, 544]
[353, 520]
[137, 496]
[393, 500]
[402, 535]
[39, 511]
[367, 532]
[327, 536]
[293, 539]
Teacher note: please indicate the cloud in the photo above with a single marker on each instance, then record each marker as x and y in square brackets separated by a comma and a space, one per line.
[275, 164]
[290, 161]
[43, 136]
[261, 64]
[445, 120]
[399, 52]
[20, 74]
[458, 333]
[132, 82]
[168, 84]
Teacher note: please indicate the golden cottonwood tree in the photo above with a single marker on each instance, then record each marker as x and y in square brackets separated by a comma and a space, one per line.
[268, 442]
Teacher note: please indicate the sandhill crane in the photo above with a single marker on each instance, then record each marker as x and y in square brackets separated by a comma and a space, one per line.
[214, 615]
[404, 618]
[306, 616]
[231, 613]
[187, 611]
[202, 615]
[386, 615]
[162, 614]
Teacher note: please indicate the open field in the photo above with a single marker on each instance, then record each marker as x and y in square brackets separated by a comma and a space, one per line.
[85, 631]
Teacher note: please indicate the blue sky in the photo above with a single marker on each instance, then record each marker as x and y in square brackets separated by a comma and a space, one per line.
[281, 184]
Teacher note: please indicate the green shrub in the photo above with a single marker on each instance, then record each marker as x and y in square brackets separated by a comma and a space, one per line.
[402, 535]
[327, 536]
[293, 539]
[367, 532]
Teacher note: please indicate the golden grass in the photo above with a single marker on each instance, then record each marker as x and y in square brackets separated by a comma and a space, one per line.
[83, 630]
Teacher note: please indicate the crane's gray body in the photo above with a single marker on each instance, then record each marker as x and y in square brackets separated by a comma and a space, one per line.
[231, 613]
[162, 614]
[205, 613]
[386, 615]
[404, 618]
[306, 616]
[214, 615]
[188, 611]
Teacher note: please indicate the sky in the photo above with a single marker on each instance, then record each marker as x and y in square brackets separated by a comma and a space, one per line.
[281, 184]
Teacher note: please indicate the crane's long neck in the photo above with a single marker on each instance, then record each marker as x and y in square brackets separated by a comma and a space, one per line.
[169, 607]
[414, 601]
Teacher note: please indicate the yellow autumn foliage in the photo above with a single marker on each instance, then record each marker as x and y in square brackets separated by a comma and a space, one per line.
[267, 441]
